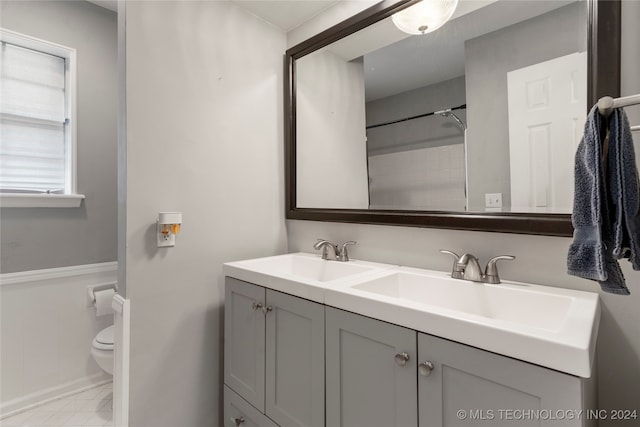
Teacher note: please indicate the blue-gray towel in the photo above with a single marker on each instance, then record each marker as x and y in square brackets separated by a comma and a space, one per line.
[605, 216]
[624, 189]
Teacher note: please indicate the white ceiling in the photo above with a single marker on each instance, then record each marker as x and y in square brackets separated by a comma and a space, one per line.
[286, 14]
[394, 61]
[423, 60]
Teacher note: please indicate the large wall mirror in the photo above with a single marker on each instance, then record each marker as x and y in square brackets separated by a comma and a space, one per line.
[472, 126]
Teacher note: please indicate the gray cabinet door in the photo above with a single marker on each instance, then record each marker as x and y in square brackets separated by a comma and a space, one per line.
[366, 385]
[244, 349]
[473, 387]
[294, 361]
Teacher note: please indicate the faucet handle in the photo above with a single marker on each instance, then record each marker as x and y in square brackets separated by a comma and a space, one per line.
[344, 254]
[456, 273]
[318, 243]
[491, 271]
[453, 254]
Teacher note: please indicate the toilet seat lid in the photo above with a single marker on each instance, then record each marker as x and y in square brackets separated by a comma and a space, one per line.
[105, 336]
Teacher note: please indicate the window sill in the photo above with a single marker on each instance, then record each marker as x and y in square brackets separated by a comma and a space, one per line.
[40, 200]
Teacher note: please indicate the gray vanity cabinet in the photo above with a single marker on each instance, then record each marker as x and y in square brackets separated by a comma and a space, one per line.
[472, 387]
[274, 353]
[371, 372]
[285, 357]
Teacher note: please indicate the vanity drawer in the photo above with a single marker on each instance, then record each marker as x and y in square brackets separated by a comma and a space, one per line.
[237, 412]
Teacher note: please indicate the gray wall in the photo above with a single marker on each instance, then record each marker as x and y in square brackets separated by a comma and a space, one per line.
[37, 238]
[204, 137]
[330, 122]
[419, 133]
[540, 259]
[488, 58]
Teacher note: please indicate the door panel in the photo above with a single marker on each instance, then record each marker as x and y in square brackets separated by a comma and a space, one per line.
[244, 346]
[294, 361]
[485, 386]
[366, 387]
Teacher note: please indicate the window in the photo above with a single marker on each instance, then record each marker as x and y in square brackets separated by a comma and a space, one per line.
[37, 123]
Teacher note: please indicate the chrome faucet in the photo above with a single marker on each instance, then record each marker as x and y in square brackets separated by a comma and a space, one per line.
[467, 267]
[339, 253]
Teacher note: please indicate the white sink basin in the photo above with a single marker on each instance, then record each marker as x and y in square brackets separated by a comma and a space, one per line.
[510, 303]
[301, 274]
[310, 267]
[548, 326]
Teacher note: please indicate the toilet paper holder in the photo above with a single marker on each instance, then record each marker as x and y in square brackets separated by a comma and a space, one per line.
[92, 289]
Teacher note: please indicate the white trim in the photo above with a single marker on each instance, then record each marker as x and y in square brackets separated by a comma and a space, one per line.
[122, 339]
[71, 183]
[26, 200]
[118, 304]
[56, 273]
[34, 43]
[43, 397]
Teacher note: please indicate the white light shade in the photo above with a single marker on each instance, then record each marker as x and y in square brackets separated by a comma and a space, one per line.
[425, 16]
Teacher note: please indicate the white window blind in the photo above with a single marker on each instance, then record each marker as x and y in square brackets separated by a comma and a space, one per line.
[33, 114]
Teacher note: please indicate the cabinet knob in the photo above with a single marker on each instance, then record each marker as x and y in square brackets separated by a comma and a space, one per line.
[237, 421]
[402, 359]
[267, 309]
[256, 305]
[425, 368]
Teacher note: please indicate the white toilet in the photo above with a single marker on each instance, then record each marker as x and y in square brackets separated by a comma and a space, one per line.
[102, 349]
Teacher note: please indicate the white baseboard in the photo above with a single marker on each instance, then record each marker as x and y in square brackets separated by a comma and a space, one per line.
[24, 403]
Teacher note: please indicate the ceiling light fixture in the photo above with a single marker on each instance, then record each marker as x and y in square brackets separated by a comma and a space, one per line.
[425, 16]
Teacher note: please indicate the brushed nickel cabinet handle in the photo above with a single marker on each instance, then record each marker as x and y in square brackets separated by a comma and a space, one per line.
[425, 368]
[237, 421]
[256, 305]
[402, 359]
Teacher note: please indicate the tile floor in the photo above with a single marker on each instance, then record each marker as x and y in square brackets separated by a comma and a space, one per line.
[91, 407]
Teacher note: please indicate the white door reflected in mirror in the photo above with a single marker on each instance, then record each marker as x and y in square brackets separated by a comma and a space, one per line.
[547, 110]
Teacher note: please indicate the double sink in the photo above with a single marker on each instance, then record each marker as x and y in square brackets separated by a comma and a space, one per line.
[547, 326]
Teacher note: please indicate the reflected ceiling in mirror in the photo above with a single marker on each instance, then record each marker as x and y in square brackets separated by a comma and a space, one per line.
[478, 120]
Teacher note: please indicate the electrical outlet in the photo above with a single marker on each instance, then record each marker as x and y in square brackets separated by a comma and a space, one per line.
[165, 240]
[493, 200]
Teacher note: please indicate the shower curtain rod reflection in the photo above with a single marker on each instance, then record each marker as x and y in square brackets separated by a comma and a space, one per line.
[460, 107]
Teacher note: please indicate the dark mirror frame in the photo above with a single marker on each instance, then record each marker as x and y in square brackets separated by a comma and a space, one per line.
[603, 79]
